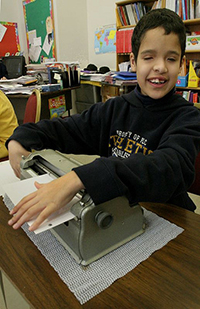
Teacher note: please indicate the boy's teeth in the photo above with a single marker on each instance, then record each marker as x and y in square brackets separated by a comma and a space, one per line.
[157, 81]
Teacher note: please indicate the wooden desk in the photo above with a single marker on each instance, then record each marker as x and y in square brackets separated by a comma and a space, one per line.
[170, 278]
[19, 102]
[109, 90]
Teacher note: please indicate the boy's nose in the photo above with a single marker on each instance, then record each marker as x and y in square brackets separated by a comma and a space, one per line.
[160, 66]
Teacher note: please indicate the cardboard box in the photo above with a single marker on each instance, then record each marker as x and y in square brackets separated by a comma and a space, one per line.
[193, 79]
[193, 42]
[182, 81]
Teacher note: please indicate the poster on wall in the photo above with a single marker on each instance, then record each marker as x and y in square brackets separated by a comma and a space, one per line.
[39, 29]
[105, 40]
[9, 39]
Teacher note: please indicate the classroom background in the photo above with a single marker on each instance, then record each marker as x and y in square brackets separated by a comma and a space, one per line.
[75, 23]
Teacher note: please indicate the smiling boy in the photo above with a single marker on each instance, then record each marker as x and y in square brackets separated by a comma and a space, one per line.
[147, 139]
[158, 63]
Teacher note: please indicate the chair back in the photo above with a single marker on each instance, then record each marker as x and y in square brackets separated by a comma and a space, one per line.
[195, 187]
[33, 107]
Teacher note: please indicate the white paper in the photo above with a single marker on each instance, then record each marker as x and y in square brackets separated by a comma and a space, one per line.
[6, 175]
[57, 76]
[37, 41]
[34, 52]
[46, 46]
[2, 31]
[31, 36]
[17, 190]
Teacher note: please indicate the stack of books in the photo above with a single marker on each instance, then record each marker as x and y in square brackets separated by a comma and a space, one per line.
[121, 78]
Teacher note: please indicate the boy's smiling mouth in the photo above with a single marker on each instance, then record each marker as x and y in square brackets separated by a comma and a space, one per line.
[157, 81]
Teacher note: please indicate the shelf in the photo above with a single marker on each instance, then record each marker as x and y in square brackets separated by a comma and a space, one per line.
[192, 51]
[126, 27]
[192, 22]
[132, 1]
[89, 82]
[189, 88]
[197, 105]
[188, 22]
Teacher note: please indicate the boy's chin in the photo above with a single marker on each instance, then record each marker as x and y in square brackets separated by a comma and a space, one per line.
[156, 95]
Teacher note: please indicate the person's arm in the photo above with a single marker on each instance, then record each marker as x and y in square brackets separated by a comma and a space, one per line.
[16, 151]
[8, 122]
[47, 199]
[76, 134]
[64, 135]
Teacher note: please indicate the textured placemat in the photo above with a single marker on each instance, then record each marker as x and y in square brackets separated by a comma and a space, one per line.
[86, 282]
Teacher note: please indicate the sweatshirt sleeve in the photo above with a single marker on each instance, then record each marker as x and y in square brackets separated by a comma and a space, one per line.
[78, 134]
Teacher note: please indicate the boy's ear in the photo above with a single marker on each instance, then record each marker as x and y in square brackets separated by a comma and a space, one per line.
[182, 69]
[133, 62]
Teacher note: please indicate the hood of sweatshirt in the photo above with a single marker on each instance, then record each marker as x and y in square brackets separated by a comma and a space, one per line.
[169, 101]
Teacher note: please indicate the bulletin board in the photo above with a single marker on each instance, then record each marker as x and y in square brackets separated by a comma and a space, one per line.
[9, 43]
[39, 29]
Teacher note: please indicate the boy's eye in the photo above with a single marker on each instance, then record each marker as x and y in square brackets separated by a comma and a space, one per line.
[171, 59]
[148, 58]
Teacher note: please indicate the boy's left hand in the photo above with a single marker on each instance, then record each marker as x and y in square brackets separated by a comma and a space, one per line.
[47, 199]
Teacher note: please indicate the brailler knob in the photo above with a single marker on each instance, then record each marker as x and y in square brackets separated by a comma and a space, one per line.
[103, 219]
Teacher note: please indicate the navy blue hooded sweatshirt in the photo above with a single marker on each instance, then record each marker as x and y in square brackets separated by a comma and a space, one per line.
[147, 147]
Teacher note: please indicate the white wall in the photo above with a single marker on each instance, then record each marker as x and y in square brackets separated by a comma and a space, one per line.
[70, 19]
[75, 25]
[100, 13]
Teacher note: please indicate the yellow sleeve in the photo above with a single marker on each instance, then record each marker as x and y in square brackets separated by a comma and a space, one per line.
[8, 122]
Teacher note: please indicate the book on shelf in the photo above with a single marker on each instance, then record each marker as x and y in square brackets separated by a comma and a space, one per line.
[184, 9]
[130, 14]
[137, 11]
[197, 9]
[126, 15]
[119, 16]
[171, 5]
[123, 41]
[121, 11]
[195, 97]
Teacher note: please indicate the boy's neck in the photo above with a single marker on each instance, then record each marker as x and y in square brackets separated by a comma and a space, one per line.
[148, 100]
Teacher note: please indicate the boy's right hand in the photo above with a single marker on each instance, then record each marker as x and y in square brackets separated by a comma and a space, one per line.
[16, 151]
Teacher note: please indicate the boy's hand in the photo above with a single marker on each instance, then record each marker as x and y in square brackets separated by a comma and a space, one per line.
[46, 200]
[16, 151]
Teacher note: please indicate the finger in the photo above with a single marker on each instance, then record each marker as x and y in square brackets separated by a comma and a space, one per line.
[47, 211]
[20, 218]
[17, 172]
[38, 185]
[23, 201]
[20, 212]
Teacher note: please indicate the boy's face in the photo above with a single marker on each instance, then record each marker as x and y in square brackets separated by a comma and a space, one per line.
[158, 63]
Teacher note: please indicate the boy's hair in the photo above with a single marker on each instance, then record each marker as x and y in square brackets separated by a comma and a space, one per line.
[164, 18]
